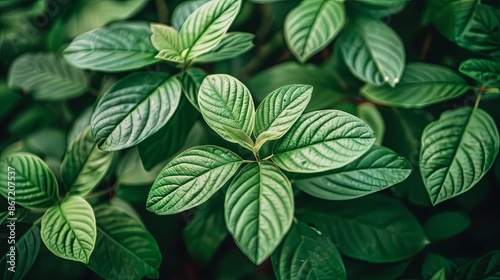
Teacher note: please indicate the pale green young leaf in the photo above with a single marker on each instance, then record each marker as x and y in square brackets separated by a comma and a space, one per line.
[26, 251]
[374, 228]
[47, 76]
[204, 28]
[226, 102]
[321, 141]
[243, 139]
[117, 48]
[306, 253]
[146, 102]
[440, 275]
[191, 178]
[259, 209]
[280, 110]
[421, 85]
[183, 11]
[121, 239]
[373, 52]
[457, 150]
[84, 164]
[312, 25]
[167, 41]
[483, 71]
[232, 45]
[69, 229]
[191, 80]
[35, 185]
[377, 169]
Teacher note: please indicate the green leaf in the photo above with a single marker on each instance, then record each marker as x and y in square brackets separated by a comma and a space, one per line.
[451, 17]
[440, 275]
[312, 25]
[421, 85]
[204, 28]
[374, 228]
[434, 263]
[326, 87]
[167, 41]
[89, 14]
[281, 109]
[183, 11]
[374, 8]
[446, 225]
[46, 76]
[25, 254]
[69, 229]
[191, 80]
[226, 102]
[117, 48]
[146, 102]
[482, 34]
[34, 185]
[232, 45]
[457, 150]
[373, 52]
[321, 141]
[124, 248]
[483, 71]
[369, 113]
[84, 165]
[169, 140]
[307, 254]
[259, 209]
[377, 169]
[8, 99]
[486, 267]
[191, 178]
[206, 231]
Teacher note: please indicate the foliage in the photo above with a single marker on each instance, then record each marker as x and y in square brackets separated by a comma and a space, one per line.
[303, 139]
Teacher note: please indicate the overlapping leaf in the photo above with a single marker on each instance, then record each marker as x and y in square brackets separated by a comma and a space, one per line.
[457, 150]
[35, 185]
[183, 11]
[120, 47]
[69, 229]
[167, 41]
[483, 71]
[205, 27]
[227, 107]
[421, 85]
[191, 80]
[485, 267]
[307, 254]
[312, 25]
[450, 17]
[280, 110]
[124, 248]
[322, 140]
[134, 108]
[84, 164]
[191, 178]
[259, 209]
[46, 76]
[232, 45]
[373, 52]
[377, 169]
[374, 228]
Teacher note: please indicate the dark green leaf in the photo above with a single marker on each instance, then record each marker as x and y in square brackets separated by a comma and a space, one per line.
[24, 255]
[434, 263]
[486, 267]
[183, 11]
[445, 225]
[421, 85]
[47, 76]
[146, 102]
[307, 254]
[191, 80]
[483, 71]
[457, 150]
[377, 169]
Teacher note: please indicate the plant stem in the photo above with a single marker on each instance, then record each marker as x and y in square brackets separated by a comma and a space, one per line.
[268, 157]
[162, 11]
[478, 98]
